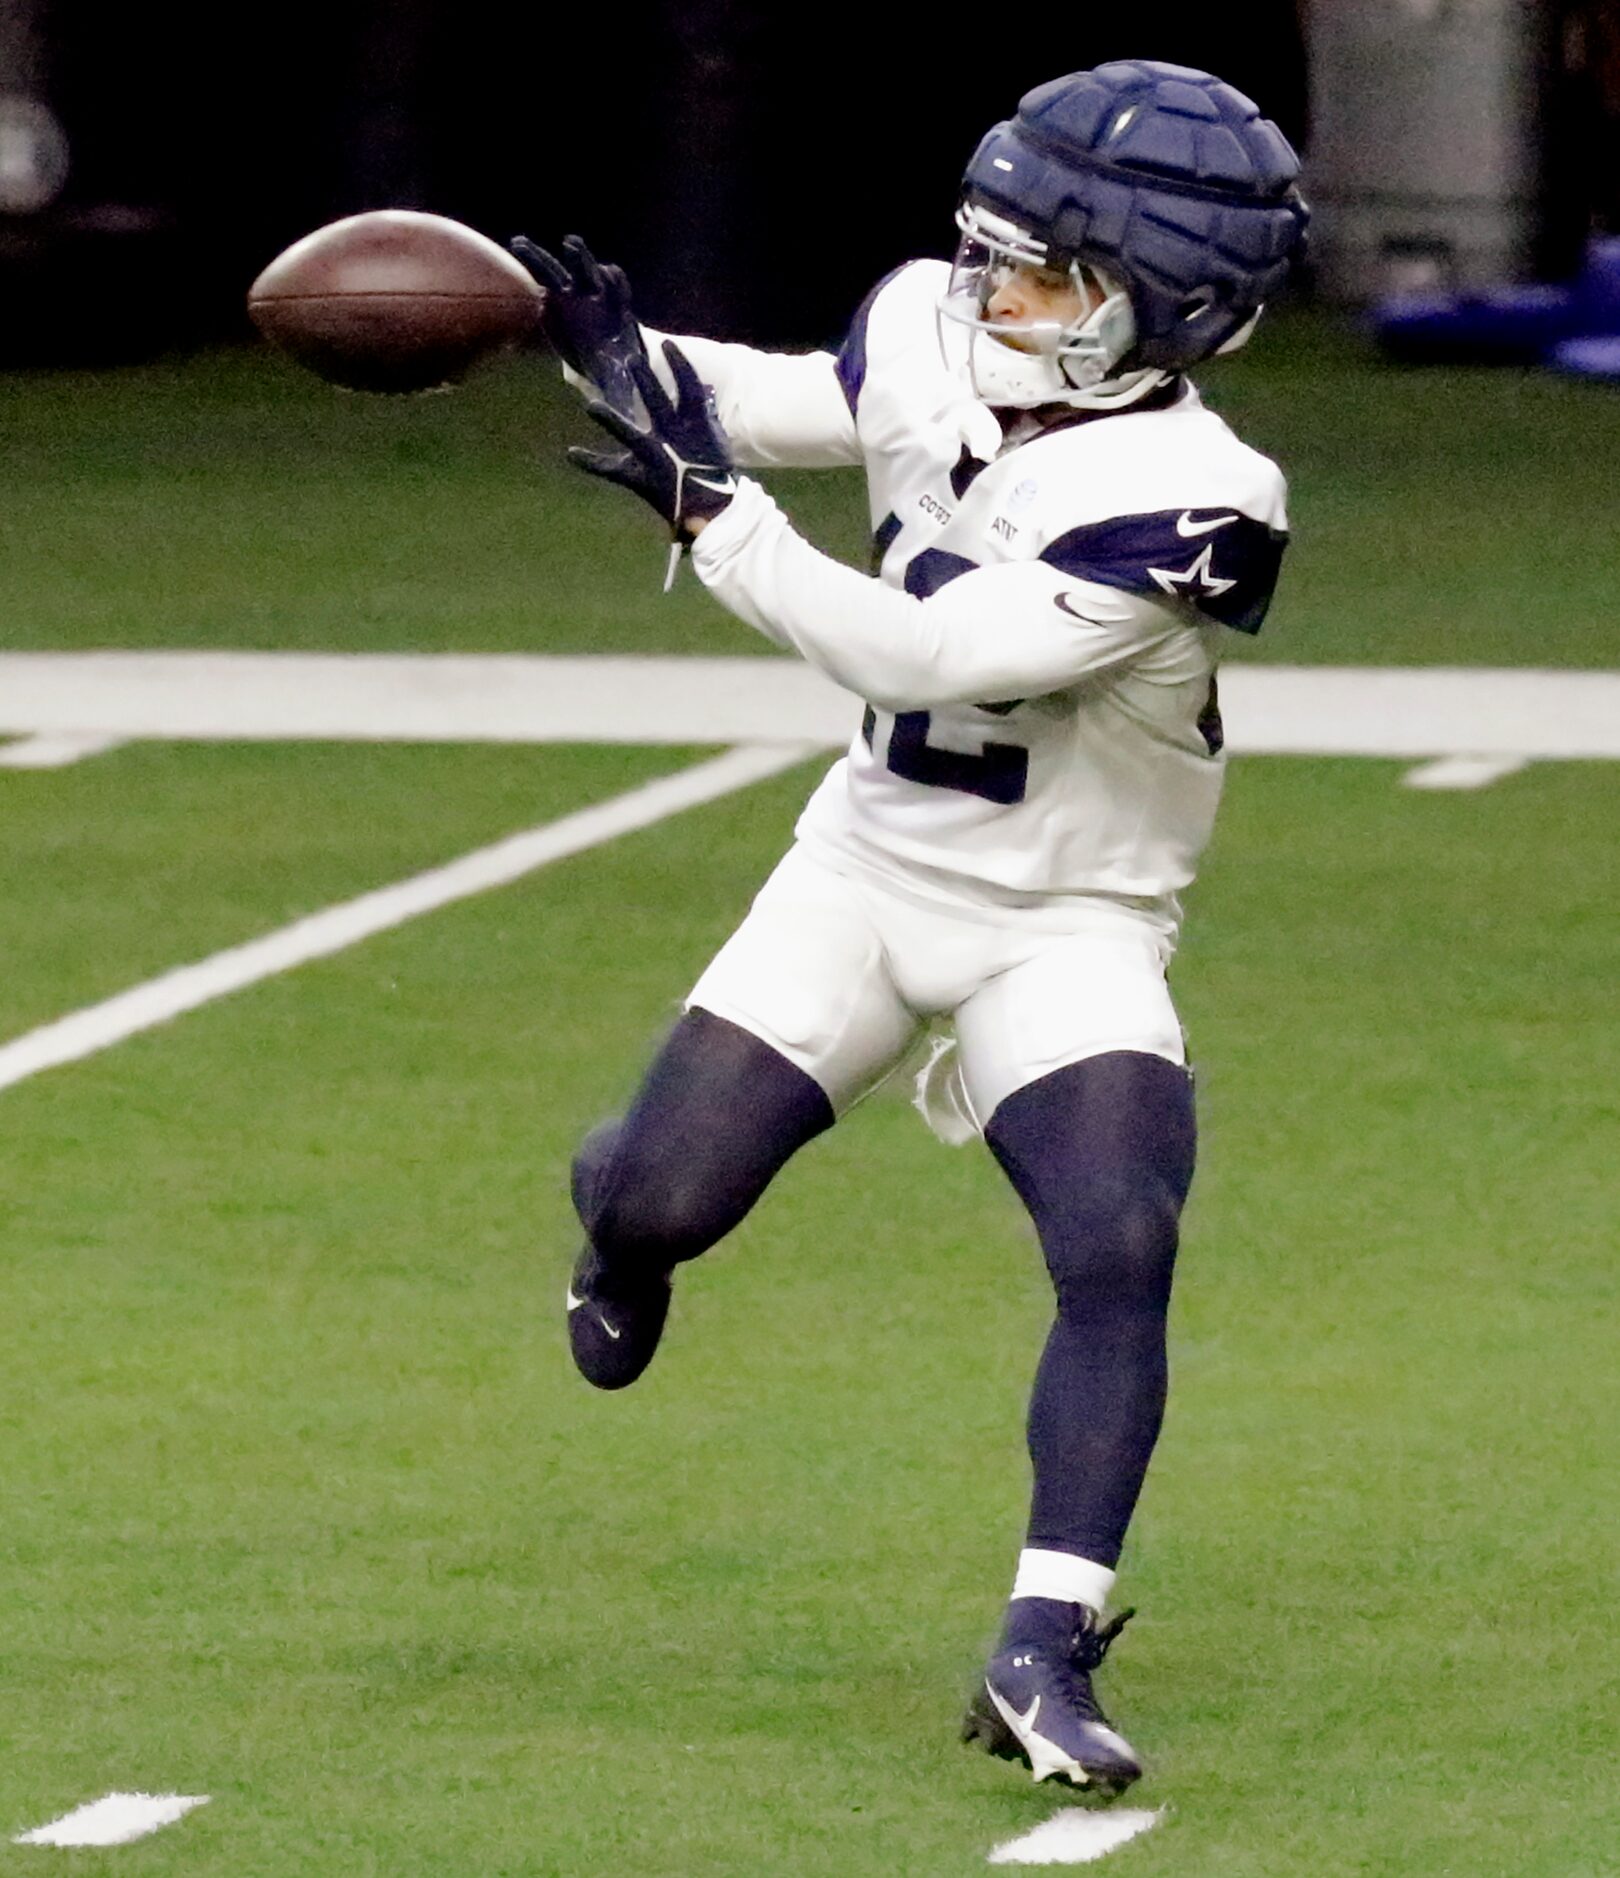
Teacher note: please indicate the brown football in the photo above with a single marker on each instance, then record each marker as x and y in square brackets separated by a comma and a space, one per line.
[394, 300]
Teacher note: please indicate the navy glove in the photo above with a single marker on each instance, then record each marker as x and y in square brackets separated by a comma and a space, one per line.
[587, 317]
[680, 464]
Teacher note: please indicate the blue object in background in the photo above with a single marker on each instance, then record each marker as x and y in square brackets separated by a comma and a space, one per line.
[1597, 355]
[1574, 327]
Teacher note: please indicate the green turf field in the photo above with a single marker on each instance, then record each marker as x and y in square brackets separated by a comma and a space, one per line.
[304, 1507]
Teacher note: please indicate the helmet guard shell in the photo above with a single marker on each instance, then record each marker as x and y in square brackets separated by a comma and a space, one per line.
[1166, 178]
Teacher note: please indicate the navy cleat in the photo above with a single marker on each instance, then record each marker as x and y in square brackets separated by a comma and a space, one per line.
[1036, 1706]
[614, 1321]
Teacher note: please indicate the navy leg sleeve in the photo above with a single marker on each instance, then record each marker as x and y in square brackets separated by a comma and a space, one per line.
[1101, 1152]
[716, 1117]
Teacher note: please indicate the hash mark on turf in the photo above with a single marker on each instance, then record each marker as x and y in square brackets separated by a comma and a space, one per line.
[57, 749]
[1463, 772]
[114, 1819]
[1076, 1836]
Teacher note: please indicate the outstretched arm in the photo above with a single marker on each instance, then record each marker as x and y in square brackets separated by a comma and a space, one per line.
[779, 410]
[1022, 629]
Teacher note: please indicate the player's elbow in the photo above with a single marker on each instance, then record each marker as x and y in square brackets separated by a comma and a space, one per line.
[939, 670]
[932, 687]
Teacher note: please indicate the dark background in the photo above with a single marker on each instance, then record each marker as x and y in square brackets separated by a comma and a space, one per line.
[755, 169]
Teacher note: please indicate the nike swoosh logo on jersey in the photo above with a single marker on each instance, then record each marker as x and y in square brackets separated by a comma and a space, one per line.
[1187, 527]
[1062, 602]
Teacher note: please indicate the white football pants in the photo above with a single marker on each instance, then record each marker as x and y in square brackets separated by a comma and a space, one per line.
[840, 973]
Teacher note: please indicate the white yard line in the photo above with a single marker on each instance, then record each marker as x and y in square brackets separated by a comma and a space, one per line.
[1076, 1837]
[333, 929]
[1463, 772]
[55, 749]
[114, 1819]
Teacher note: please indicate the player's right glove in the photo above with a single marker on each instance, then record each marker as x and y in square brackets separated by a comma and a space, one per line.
[587, 317]
[680, 464]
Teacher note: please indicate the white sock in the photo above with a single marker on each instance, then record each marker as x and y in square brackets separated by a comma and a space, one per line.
[1064, 1576]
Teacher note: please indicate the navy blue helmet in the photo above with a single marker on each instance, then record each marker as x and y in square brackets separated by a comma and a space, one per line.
[1165, 183]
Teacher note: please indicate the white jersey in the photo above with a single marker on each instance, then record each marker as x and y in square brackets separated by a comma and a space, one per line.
[1038, 653]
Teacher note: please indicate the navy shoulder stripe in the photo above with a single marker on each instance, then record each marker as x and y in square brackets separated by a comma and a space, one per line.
[1221, 562]
[851, 363]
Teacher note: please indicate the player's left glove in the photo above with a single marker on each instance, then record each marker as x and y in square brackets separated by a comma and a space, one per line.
[680, 464]
[586, 316]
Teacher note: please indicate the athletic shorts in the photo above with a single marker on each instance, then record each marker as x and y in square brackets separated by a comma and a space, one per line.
[841, 972]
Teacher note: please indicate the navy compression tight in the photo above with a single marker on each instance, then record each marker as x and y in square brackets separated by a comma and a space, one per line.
[1100, 1152]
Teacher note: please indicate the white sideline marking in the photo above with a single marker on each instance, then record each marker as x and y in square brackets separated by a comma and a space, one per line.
[1463, 772]
[56, 750]
[334, 928]
[115, 1819]
[1075, 1837]
[1282, 710]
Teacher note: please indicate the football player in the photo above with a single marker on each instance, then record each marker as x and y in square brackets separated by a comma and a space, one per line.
[1062, 534]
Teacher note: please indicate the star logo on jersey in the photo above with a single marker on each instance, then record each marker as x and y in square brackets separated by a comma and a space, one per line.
[1193, 583]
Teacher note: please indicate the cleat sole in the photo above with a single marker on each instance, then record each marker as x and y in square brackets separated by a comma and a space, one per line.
[984, 1729]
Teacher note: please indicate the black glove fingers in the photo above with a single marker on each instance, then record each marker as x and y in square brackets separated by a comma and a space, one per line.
[616, 290]
[619, 468]
[546, 268]
[615, 423]
[583, 265]
[653, 396]
[691, 395]
[677, 462]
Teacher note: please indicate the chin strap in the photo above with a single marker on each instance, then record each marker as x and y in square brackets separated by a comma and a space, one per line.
[1114, 394]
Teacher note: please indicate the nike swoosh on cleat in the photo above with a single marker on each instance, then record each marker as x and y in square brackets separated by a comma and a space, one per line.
[1021, 1725]
[1045, 1757]
[574, 1304]
[1187, 527]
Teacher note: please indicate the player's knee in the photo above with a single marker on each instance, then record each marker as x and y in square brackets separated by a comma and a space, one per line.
[1113, 1246]
[655, 1217]
[642, 1202]
[631, 1210]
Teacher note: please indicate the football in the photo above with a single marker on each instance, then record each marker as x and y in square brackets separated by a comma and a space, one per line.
[394, 301]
